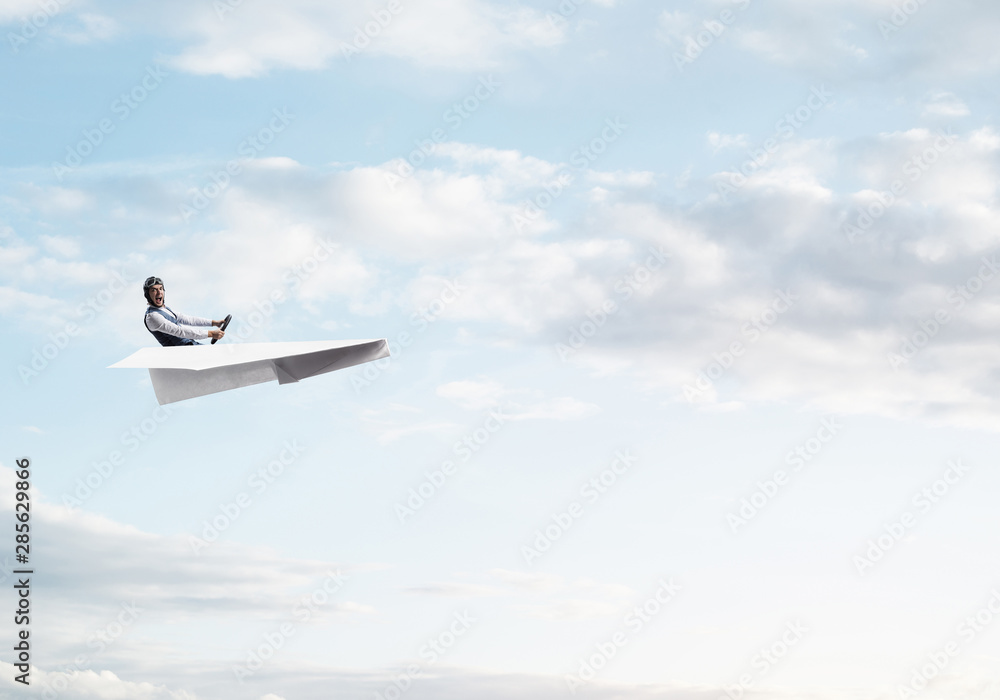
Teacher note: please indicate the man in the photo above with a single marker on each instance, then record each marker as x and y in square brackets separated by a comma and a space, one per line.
[171, 328]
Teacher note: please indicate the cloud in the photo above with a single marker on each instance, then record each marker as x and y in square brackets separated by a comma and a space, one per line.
[720, 142]
[627, 284]
[100, 685]
[48, 292]
[945, 104]
[56, 201]
[537, 596]
[243, 40]
[788, 35]
[476, 395]
[849, 39]
[674, 27]
[528, 580]
[622, 179]
[311, 682]
[398, 421]
[14, 10]
[473, 395]
[88, 29]
[61, 245]
[14, 302]
[563, 408]
[455, 590]
[567, 609]
[107, 586]
[94, 563]
[465, 35]
[95, 568]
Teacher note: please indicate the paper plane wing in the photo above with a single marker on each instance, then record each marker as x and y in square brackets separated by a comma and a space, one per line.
[187, 371]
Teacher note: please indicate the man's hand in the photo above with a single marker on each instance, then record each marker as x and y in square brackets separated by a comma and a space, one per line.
[218, 323]
[216, 334]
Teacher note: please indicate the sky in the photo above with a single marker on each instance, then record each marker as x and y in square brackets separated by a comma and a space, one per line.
[692, 312]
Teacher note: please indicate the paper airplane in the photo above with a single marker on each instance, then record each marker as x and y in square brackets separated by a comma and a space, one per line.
[184, 372]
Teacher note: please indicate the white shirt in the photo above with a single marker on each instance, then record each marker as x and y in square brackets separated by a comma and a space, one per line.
[185, 326]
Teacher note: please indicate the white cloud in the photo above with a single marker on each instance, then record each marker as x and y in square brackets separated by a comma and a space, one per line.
[456, 590]
[674, 27]
[13, 302]
[158, 571]
[61, 245]
[539, 596]
[667, 269]
[90, 28]
[622, 178]
[56, 200]
[314, 682]
[473, 395]
[395, 422]
[96, 568]
[945, 104]
[567, 609]
[105, 684]
[49, 292]
[720, 142]
[508, 170]
[15, 253]
[518, 404]
[985, 139]
[563, 408]
[466, 35]
[527, 285]
[12, 10]
[528, 580]
[874, 38]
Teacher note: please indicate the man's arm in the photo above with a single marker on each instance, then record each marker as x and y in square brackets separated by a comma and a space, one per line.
[156, 322]
[192, 320]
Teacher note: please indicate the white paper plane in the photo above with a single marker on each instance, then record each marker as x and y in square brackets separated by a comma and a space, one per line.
[184, 372]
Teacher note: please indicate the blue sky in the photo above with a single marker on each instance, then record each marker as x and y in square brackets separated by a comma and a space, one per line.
[692, 311]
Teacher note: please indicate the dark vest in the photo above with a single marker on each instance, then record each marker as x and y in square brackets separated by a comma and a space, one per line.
[165, 338]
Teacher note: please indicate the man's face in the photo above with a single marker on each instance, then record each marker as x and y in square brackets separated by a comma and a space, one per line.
[156, 294]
